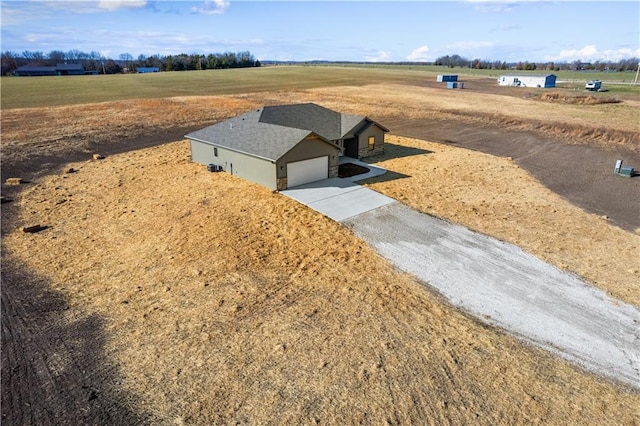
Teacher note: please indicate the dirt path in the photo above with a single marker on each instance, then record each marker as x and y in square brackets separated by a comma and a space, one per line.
[581, 174]
[504, 286]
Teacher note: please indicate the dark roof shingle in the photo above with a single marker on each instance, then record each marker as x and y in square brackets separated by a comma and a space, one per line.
[248, 135]
[272, 131]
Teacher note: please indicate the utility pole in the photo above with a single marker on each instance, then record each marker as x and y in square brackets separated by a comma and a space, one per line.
[635, 80]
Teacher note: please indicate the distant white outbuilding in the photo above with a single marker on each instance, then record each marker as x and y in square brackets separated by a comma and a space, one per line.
[545, 81]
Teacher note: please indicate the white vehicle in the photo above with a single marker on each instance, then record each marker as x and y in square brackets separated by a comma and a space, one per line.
[593, 85]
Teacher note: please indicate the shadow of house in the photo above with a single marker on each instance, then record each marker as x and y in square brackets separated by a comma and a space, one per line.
[397, 151]
[391, 151]
[387, 177]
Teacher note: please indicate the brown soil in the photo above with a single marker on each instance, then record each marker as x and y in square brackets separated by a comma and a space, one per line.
[583, 174]
[350, 169]
[160, 293]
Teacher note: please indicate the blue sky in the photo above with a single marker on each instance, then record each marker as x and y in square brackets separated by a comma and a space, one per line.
[329, 30]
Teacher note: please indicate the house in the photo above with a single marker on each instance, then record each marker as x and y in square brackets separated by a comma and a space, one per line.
[35, 71]
[143, 70]
[546, 81]
[59, 69]
[287, 145]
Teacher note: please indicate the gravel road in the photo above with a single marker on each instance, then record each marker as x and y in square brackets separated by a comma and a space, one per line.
[506, 287]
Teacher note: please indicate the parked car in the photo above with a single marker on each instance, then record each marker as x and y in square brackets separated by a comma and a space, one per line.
[593, 85]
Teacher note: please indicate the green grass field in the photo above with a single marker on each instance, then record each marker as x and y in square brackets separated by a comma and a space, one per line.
[25, 92]
[22, 92]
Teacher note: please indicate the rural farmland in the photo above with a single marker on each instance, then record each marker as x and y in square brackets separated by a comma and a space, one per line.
[156, 292]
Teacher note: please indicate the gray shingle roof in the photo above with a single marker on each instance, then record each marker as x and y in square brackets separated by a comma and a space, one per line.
[351, 124]
[272, 131]
[248, 135]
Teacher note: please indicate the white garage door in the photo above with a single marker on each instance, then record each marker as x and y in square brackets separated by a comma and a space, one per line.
[300, 172]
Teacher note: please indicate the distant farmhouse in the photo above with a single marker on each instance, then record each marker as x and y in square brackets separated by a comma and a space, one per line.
[59, 69]
[546, 81]
[144, 70]
[287, 145]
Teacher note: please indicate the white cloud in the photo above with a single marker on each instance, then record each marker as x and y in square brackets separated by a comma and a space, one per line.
[591, 53]
[419, 54]
[505, 28]
[496, 6]
[112, 5]
[469, 45]
[75, 6]
[381, 56]
[212, 7]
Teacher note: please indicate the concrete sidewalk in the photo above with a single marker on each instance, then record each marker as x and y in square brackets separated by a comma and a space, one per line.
[341, 198]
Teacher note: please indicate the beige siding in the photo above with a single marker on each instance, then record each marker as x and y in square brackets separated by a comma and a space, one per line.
[201, 152]
[251, 168]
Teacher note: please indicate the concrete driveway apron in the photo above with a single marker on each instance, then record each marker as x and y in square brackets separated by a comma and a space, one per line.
[341, 198]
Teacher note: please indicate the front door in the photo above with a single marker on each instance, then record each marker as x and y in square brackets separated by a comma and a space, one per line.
[351, 147]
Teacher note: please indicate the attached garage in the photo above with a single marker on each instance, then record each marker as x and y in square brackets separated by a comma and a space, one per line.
[301, 172]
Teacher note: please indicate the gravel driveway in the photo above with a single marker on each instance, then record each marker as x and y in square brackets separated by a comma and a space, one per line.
[504, 286]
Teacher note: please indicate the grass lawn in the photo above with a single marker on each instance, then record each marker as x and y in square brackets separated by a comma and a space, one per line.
[57, 91]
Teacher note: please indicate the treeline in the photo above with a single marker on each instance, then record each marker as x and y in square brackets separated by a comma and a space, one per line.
[94, 61]
[458, 61]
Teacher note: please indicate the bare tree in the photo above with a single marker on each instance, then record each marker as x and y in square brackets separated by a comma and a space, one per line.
[126, 58]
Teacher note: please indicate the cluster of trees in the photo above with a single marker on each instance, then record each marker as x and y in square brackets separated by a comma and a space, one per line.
[211, 61]
[94, 61]
[458, 61]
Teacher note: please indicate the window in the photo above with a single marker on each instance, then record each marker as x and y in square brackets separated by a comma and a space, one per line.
[215, 151]
[372, 143]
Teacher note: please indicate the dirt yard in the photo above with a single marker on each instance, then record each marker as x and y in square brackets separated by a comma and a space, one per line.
[159, 293]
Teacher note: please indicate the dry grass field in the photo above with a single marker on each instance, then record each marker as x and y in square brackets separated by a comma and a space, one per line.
[221, 302]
